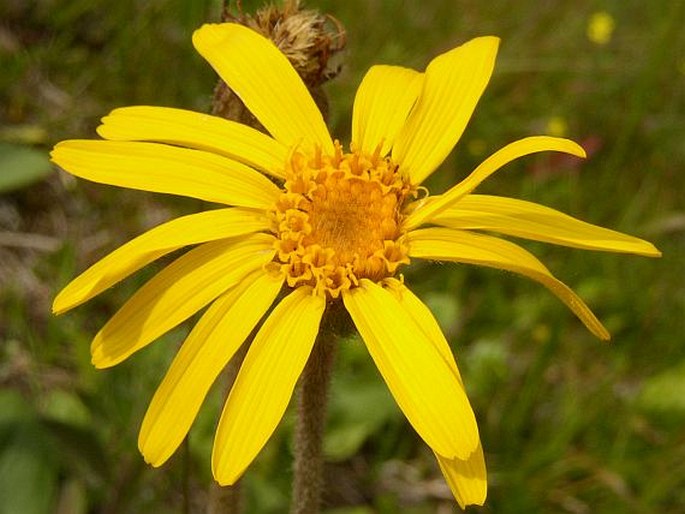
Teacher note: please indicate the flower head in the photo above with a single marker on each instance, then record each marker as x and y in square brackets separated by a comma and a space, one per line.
[322, 224]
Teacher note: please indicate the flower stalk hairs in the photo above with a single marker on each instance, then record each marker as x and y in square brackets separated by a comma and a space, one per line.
[304, 224]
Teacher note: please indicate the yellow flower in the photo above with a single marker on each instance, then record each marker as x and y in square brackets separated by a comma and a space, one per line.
[324, 226]
[600, 27]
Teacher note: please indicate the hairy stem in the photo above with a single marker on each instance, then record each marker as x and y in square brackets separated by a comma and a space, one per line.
[311, 415]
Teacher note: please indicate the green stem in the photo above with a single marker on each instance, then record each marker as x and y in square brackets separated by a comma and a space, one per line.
[311, 415]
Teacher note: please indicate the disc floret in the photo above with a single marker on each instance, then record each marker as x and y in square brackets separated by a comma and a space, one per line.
[339, 219]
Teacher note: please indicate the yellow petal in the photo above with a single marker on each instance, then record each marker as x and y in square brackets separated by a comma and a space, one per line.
[265, 383]
[467, 478]
[533, 221]
[470, 248]
[453, 84]
[415, 309]
[258, 72]
[206, 351]
[415, 371]
[177, 292]
[425, 210]
[195, 130]
[166, 169]
[165, 238]
[381, 106]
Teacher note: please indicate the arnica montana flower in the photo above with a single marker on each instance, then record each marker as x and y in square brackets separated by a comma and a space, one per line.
[308, 222]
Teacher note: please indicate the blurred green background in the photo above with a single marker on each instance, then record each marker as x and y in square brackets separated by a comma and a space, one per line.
[569, 424]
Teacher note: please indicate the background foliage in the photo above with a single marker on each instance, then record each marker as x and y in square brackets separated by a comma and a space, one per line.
[569, 424]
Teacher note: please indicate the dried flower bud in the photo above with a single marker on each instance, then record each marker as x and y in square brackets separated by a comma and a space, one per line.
[308, 39]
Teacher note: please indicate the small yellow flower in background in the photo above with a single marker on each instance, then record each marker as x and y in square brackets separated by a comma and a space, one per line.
[600, 27]
[557, 126]
[322, 224]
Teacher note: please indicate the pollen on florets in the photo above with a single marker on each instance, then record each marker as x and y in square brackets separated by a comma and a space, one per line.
[339, 219]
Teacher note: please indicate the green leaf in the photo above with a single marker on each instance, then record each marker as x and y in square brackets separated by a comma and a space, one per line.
[21, 166]
[65, 406]
[28, 474]
[12, 406]
[665, 393]
[77, 448]
[359, 409]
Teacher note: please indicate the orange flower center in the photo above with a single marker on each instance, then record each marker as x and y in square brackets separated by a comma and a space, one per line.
[339, 220]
